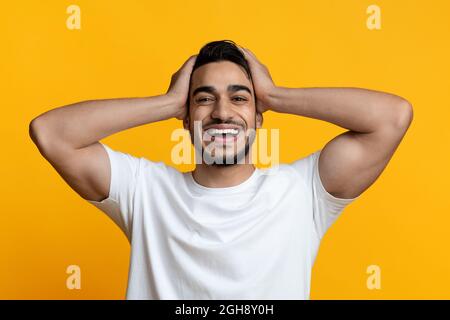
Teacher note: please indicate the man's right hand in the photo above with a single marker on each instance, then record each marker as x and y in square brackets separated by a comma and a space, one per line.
[68, 137]
[179, 86]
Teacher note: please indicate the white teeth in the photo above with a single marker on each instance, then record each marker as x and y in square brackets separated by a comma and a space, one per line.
[214, 132]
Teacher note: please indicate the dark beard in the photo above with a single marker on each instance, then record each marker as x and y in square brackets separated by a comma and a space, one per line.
[238, 158]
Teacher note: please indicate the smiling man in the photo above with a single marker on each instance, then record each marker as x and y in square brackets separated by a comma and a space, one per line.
[226, 230]
[222, 115]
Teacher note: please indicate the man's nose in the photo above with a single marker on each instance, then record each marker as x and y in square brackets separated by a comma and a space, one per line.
[222, 110]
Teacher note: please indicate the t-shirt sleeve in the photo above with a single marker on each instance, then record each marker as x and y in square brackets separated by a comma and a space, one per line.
[326, 207]
[119, 204]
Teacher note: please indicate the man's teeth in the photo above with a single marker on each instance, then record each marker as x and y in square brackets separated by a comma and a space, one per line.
[217, 132]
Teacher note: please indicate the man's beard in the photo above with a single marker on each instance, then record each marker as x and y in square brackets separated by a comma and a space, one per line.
[236, 158]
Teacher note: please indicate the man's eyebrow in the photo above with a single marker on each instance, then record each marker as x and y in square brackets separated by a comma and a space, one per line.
[230, 88]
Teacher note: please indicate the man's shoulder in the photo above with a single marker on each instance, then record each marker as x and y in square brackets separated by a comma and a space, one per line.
[301, 169]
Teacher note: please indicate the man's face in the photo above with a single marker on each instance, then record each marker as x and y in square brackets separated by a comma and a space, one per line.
[222, 113]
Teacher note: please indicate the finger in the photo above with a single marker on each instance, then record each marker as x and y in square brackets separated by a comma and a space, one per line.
[247, 51]
[244, 52]
[247, 55]
[241, 49]
[251, 57]
[254, 58]
[191, 60]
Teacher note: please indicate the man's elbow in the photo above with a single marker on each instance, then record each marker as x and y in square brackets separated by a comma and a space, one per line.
[33, 130]
[36, 131]
[403, 116]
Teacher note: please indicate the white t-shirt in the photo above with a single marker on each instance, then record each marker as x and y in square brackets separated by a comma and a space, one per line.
[256, 240]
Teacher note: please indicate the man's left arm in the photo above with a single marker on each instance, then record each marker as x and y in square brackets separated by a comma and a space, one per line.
[377, 122]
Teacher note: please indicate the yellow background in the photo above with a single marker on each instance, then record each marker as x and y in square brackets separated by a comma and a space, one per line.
[131, 48]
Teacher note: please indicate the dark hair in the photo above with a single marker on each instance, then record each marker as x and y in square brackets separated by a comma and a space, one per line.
[222, 50]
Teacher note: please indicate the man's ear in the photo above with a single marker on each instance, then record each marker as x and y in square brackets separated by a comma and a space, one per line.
[259, 120]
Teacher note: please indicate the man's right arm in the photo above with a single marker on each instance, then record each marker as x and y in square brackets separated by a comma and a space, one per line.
[68, 136]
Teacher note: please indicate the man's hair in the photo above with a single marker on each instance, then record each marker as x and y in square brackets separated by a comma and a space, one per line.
[222, 50]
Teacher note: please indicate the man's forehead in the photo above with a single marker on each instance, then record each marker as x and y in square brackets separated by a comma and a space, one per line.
[222, 76]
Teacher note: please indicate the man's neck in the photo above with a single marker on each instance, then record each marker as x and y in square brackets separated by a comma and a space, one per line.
[212, 176]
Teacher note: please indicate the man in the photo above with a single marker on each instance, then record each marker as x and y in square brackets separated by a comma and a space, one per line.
[225, 230]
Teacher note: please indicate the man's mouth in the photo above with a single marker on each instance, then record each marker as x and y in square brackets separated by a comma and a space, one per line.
[222, 134]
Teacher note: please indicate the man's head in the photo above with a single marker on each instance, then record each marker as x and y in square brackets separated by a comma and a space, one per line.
[222, 103]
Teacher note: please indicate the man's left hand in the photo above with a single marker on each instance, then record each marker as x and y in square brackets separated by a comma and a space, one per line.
[262, 81]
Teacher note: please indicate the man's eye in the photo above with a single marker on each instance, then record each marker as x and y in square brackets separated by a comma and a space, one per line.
[241, 98]
[203, 99]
